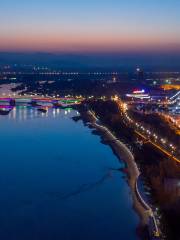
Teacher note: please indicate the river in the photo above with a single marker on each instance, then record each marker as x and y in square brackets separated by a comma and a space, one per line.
[59, 182]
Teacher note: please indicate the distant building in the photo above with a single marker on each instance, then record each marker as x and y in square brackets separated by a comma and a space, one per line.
[113, 80]
[138, 94]
[140, 75]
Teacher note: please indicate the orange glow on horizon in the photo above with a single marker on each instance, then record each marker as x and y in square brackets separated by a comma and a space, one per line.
[84, 42]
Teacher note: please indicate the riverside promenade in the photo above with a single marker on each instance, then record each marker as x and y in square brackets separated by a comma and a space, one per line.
[140, 204]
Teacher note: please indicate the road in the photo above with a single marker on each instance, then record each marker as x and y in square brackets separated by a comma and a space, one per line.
[170, 154]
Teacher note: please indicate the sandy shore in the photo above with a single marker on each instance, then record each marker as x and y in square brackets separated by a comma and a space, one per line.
[125, 155]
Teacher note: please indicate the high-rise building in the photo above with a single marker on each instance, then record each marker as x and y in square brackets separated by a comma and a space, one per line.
[140, 75]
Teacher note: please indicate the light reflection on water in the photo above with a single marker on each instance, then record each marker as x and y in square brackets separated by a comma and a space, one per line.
[27, 112]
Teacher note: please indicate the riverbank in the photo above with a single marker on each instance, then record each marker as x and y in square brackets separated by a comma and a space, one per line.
[124, 154]
[158, 173]
[148, 226]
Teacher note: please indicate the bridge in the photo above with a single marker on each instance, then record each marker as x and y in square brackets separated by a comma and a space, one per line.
[40, 100]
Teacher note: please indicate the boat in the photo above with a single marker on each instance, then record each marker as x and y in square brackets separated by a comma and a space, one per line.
[43, 110]
[5, 110]
[35, 104]
[61, 105]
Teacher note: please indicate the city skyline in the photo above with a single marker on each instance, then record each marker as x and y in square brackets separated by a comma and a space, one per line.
[90, 119]
[91, 26]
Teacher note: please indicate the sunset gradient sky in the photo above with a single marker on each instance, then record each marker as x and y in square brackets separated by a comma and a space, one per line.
[90, 25]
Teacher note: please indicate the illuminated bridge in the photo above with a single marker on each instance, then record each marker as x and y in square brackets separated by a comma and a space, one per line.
[40, 100]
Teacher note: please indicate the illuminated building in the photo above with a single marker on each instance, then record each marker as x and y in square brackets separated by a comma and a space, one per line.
[140, 75]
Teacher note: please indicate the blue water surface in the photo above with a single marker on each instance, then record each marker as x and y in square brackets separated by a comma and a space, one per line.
[59, 182]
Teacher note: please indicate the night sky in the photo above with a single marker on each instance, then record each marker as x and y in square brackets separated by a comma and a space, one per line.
[89, 25]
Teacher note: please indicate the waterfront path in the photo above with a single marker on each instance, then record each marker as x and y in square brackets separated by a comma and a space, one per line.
[123, 152]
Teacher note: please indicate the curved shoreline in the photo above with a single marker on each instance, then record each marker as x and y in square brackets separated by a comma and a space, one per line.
[125, 155]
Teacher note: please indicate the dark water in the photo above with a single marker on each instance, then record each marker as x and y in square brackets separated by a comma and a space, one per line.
[58, 182]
